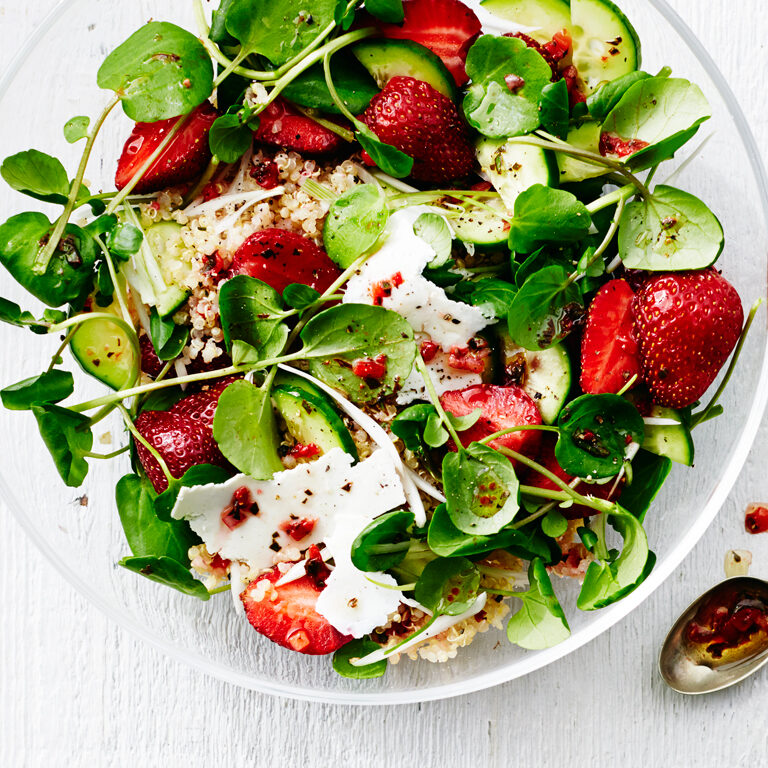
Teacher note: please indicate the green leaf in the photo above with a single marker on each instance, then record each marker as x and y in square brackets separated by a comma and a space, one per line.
[337, 338]
[124, 240]
[38, 175]
[200, 474]
[354, 223]
[545, 310]
[390, 159]
[481, 489]
[605, 98]
[555, 109]
[357, 649]
[168, 339]
[68, 437]
[390, 11]
[229, 138]
[673, 230]
[492, 293]
[448, 586]
[554, 524]
[300, 296]
[540, 622]
[160, 71]
[76, 128]
[409, 425]
[218, 32]
[662, 112]
[649, 472]
[384, 543]
[13, 314]
[147, 535]
[434, 231]
[490, 106]
[167, 571]
[49, 387]
[245, 430]
[546, 215]
[594, 433]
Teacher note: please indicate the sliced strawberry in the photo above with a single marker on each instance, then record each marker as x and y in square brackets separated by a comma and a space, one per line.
[151, 364]
[183, 160]
[447, 27]
[502, 408]
[284, 127]
[279, 258]
[609, 352]
[287, 615]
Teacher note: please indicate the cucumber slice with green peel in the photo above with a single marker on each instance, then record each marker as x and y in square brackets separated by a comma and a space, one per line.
[671, 440]
[385, 59]
[312, 420]
[572, 169]
[103, 351]
[513, 168]
[482, 227]
[605, 45]
[543, 17]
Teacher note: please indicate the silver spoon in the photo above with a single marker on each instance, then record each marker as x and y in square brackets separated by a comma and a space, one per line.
[694, 667]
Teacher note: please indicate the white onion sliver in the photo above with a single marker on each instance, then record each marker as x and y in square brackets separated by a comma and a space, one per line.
[659, 421]
[425, 486]
[217, 203]
[295, 572]
[237, 585]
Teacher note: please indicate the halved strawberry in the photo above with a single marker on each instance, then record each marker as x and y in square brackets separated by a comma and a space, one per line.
[279, 258]
[287, 615]
[280, 125]
[502, 408]
[447, 27]
[609, 352]
[183, 160]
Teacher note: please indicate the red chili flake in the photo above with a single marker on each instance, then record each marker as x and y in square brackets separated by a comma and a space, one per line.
[470, 358]
[299, 529]
[514, 82]
[756, 520]
[557, 48]
[219, 563]
[304, 451]
[373, 369]
[214, 265]
[155, 205]
[316, 569]
[265, 174]
[240, 508]
[611, 144]
[480, 616]
[482, 186]
[383, 289]
[428, 350]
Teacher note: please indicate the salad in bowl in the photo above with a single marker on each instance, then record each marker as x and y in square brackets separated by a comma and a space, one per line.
[402, 328]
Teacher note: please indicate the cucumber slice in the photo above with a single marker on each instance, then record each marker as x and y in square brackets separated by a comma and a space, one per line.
[164, 238]
[311, 419]
[103, 350]
[512, 168]
[544, 374]
[482, 227]
[671, 440]
[605, 45]
[545, 17]
[586, 136]
[385, 59]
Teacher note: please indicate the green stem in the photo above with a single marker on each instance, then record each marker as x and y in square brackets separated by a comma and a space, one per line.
[337, 100]
[329, 125]
[112, 455]
[121, 299]
[421, 367]
[45, 254]
[219, 590]
[57, 354]
[511, 430]
[141, 439]
[101, 414]
[618, 195]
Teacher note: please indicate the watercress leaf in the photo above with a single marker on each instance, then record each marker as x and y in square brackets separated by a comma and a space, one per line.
[595, 431]
[341, 336]
[607, 582]
[124, 240]
[162, 399]
[390, 11]
[649, 472]
[101, 226]
[147, 535]
[281, 30]
[384, 543]
[589, 268]
[554, 524]
[555, 109]
[672, 230]
[160, 71]
[68, 437]
[492, 294]
[608, 95]
[546, 215]
[540, 622]
[434, 231]
[390, 159]
[218, 32]
[409, 425]
[76, 128]
[481, 489]
[300, 296]
[69, 275]
[588, 537]
[461, 423]
[38, 175]
[357, 649]
[435, 435]
[200, 474]
[494, 103]
[167, 571]
[244, 428]
[448, 586]
[229, 138]
[545, 310]
[12, 313]
[168, 339]
[658, 114]
[49, 387]
[354, 223]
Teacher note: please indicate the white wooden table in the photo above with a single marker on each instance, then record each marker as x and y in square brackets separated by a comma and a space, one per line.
[76, 690]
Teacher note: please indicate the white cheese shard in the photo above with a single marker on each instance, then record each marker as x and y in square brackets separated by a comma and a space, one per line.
[320, 491]
[425, 306]
[444, 377]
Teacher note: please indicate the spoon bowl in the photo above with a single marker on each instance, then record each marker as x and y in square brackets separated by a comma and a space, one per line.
[716, 643]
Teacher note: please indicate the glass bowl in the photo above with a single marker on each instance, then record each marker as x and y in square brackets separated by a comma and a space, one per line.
[79, 531]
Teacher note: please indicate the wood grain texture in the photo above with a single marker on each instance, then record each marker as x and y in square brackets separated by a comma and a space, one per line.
[76, 690]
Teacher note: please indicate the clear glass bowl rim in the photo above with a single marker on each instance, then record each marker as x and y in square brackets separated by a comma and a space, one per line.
[528, 664]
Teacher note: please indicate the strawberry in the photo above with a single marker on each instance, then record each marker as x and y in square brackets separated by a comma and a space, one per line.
[609, 354]
[502, 407]
[417, 119]
[182, 435]
[687, 324]
[183, 159]
[152, 365]
[279, 258]
[287, 615]
[447, 27]
[284, 127]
